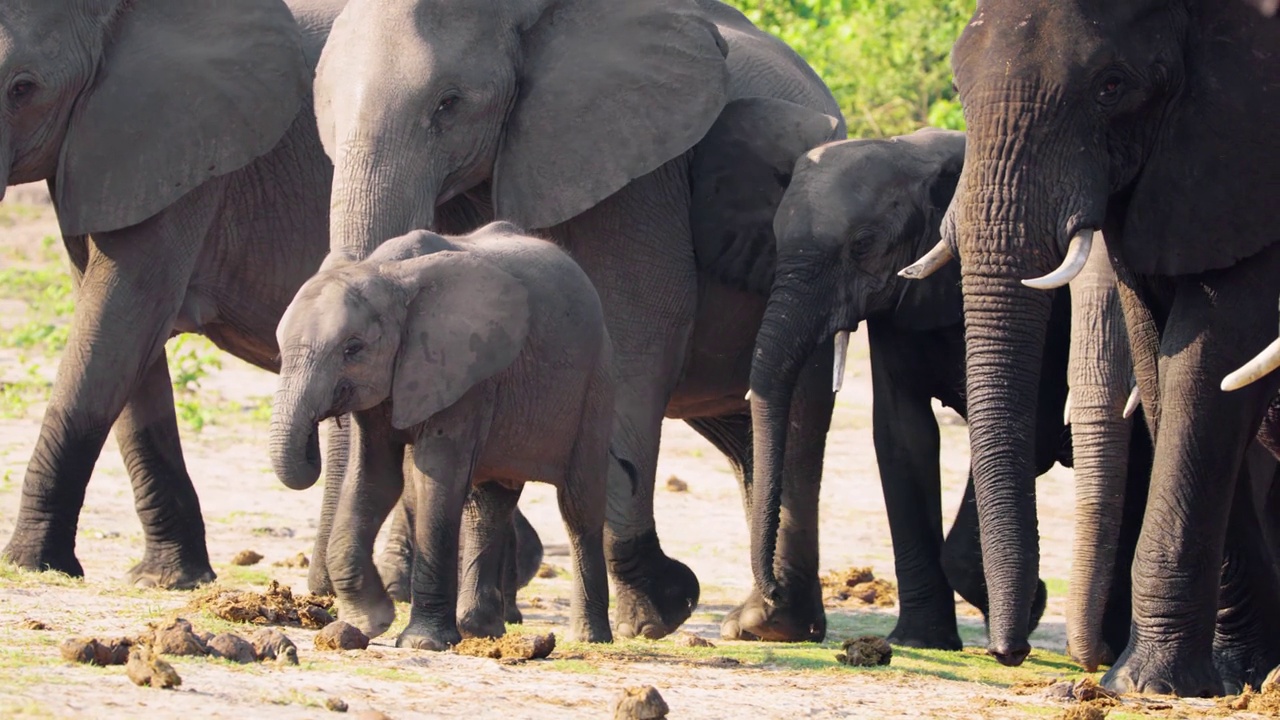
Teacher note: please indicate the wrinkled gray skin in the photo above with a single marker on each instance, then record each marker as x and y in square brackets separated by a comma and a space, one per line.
[492, 350]
[854, 213]
[1116, 124]
[174, 221]
[575, 117]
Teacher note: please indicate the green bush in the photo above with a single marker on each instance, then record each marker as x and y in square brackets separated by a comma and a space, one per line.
[888, 62]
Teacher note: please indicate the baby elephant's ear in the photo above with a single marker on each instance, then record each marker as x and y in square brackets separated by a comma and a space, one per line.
[466, 323]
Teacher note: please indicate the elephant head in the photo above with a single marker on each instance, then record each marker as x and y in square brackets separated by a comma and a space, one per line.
[1129, 117]
[420, 322]
[127, 105]
[552, 104]
[854, 212]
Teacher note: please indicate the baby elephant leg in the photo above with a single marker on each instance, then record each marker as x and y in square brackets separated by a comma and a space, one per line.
[582, 506]
[488, 539]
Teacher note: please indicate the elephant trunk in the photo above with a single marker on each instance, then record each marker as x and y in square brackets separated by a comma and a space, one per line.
[374, 200]
[1099, 372]
[793, 326]
[294, 434]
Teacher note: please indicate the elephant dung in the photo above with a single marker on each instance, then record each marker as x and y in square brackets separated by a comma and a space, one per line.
[176, 637]
[271, 644]
[230, 646]
[338, 635]
[148, 668]
[857, 586]
[276, 606]
[95, 652]
[297, 561]
[676, 485]
[1084, 712]
[546, 571]
[865, 651]
[640, 703]
[313, 617]
[689, 640]
[32, 624]
[335, 704]
[509, 647]
[246, 557]
[1263, 702]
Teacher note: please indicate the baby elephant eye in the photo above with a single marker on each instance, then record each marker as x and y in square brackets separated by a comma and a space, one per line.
[352, 348]
[21, 89]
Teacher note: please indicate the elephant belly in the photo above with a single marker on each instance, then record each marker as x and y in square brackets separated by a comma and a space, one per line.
[718, 365]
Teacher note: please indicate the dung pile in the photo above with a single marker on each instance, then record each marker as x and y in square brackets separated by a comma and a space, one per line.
[1263, 702]
[857, 587]
[276, 606]
[509, 647]
[865, 651]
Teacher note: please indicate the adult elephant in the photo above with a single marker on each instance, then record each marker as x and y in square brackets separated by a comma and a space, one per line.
[1119, 121]
[180, 148]
[576, 118]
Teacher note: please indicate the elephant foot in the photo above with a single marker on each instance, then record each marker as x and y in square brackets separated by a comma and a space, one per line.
[395, 569]
[170, 572]
[482, 620]
[43, 556]
[425, 635]
[318, 582]
[1164, 673]
[372, 616]
[655, 594]
[1246, 662]
[800, 618]
[929, 629]
[591, 631]
[511, 612]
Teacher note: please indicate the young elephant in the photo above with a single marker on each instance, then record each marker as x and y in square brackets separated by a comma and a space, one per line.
[493, 352]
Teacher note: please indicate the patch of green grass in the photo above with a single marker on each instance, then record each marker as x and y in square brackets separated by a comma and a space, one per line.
[577, 667]
[393, 674]
[295, 697]
[24, 708]
[12, 213]
[238, 575]
[1056, 587]
[14, 576]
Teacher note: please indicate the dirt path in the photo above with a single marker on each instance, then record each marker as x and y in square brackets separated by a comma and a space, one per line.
[245, 507]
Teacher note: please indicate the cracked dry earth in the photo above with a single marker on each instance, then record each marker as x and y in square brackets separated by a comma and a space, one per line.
[699, 520]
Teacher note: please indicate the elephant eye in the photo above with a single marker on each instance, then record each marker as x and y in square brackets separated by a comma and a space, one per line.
[447, 102]
[352, 348]
[1111, 89]
[21, 89]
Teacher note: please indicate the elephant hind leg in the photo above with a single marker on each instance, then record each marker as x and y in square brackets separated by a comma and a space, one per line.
[582, 500]
[486, 540]
[130, 286]
[147, 431]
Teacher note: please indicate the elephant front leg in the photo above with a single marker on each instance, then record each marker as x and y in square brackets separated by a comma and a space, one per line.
[800, 617]
[147, 431]
[373, 483]
[1199, 448]
[337, 449]
[130, 285]
[488, 540]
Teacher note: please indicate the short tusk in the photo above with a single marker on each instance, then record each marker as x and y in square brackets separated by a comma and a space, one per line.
[747, 397]
[1135, 399]
[841, 354]
[1066, 409]
[1255, 369]
[932, 262]
[1077, 256]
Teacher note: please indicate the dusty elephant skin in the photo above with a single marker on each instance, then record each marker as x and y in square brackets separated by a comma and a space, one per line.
[469, 337]
[180, 202]
[1115, 125]
[529, 137]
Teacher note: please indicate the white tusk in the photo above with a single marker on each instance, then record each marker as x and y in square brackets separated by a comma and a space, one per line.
[1077, 256]
[1255, 369]
[1066, 410]
[842, 352]
[747, 397]
[1135, 399]
[932, 262]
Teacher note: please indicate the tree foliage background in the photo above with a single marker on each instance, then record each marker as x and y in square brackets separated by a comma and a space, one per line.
[888, 62]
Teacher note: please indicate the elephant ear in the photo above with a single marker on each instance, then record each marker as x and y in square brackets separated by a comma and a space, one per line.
[1196, 205]
[738, 175]
[184, 92]
[467, 322]
[609, 91]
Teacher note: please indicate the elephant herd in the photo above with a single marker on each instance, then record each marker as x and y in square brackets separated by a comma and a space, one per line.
[493, 241]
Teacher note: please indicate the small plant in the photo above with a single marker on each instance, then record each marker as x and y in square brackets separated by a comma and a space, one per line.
[191, 359]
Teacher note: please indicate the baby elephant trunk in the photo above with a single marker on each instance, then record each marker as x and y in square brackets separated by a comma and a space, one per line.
[295, 437]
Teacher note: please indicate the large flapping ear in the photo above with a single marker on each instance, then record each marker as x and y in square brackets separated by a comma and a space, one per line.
[609, 91]
[467, 322]
[1196, 205]
[184, 92]
[738, 175]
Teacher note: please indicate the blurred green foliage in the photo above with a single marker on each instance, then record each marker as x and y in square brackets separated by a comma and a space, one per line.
[888, 62]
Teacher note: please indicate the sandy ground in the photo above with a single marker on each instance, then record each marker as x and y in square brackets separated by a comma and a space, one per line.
[245, 507]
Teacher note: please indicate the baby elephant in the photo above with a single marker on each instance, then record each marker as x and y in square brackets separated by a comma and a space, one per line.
[492, 350]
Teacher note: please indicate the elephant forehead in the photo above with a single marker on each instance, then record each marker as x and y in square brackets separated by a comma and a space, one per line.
[37, 29]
